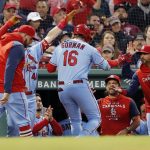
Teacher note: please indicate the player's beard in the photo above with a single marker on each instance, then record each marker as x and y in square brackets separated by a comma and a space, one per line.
[25, 44]
[112, 92]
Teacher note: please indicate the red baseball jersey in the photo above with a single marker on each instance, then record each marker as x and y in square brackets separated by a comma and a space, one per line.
[144, 78]
[116, 114]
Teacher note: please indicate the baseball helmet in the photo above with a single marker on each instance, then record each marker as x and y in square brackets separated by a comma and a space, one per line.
[83, 30]
[145, 49]
[113, 77]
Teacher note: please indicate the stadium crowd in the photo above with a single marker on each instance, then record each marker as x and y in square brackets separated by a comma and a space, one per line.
[119, 30]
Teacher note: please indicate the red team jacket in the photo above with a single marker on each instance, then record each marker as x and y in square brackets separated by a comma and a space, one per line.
[6, 43]
[115, 114]
[144, 78]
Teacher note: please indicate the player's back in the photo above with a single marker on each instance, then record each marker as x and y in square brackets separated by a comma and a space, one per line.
[73, 59]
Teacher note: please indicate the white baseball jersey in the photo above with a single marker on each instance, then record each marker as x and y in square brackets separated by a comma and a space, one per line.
[74, 58]
[32, 57]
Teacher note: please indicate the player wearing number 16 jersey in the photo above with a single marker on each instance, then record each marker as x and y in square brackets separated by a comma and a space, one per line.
[73, 59]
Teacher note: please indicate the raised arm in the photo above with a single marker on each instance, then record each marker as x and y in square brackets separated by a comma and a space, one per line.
[52, 34]
[12, 21]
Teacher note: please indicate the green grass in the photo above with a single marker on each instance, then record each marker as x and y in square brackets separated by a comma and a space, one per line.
[73, 143]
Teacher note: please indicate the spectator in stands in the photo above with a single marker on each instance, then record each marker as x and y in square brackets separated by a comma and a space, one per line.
[129, 3]
[121, 38]
[108, 38]
[108, 42]
[17, 4]
[103, 10]
[8, 12]
[46, 22]
[140, 14]
[45, 125]
[87, 6]
[56, 3]
[120, 11]
[57, 14]
[108, 52]
[117, 110]
[138, 43]
[94, 23]
[147, 34]
[33, 20]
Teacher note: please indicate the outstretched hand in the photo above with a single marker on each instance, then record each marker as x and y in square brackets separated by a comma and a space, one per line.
[130, 48]
[15, 19]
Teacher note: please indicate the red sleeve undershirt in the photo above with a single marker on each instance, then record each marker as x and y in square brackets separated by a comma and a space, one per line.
[113, 63]
[50, 67]
[57, 129]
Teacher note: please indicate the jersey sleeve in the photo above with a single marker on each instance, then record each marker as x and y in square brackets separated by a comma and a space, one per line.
[53, 59]
[37, 51]
[133, 109]
[57, 129]
[98, 60]
[14, 57]
[134, 85]
[127, 72]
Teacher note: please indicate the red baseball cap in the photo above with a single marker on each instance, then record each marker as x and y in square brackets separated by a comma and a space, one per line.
[145, 49]
[57, 10]
[8, 5]
[113, 77]
[29, 30]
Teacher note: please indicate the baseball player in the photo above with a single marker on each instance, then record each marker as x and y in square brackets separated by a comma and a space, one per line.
[142, 78]
[47, 125]
[73, 59]
[32, 58]
[12, 84]
[117, 110]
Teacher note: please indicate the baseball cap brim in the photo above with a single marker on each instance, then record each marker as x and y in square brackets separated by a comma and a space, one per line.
[112, 78]
[8, 6]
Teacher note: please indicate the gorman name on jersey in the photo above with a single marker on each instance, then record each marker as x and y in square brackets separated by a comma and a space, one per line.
[72, 45]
